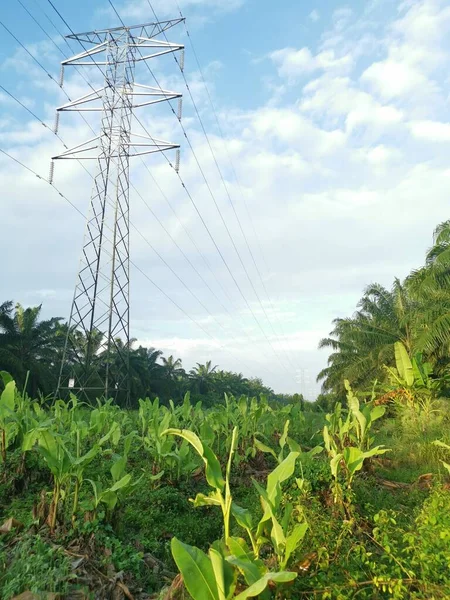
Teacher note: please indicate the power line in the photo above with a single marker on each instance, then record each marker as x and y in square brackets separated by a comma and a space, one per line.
[49, 75]
[212, 238]
[233, 170]
[146, 204]
[211, 193]
[192, 319]
[214, 199]
[144, 163]
[41, 178]
[222, 178]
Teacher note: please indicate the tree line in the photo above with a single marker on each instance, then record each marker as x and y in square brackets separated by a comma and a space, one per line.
[414, 311]
[31, 350]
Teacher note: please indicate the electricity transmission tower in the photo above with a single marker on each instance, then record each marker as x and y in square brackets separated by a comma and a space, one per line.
[95, 359]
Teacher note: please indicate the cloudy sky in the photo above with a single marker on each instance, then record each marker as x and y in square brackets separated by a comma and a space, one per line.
[335, 157]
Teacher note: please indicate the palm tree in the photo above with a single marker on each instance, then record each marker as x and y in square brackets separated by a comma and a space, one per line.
[202, 377]
[430, 286]
[27, 344]
[145, 371]
[172, 368]
[227, 382]
[363, 343]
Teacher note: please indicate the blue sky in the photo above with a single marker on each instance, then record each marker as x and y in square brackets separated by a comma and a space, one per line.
[335, 118]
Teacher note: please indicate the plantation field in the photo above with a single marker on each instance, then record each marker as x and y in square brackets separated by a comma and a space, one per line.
[248, 498]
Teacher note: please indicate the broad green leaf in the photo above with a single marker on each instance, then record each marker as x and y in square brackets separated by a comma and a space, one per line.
[263, 448]
[233, 446]
[213, 499]
[29, 440]
[121, 483]
[334, 464]
[277, 535]
[376, 451]
[419, 374]
[213, 471]
[287, 515]
[106, 437]
[196, 569]
[352, 401]
[110, 498]
[86, 458]
[118, 468]
[354, 458]
[293, 540]
[252, 570]
[224, 574]
[281, 473]
[96, 489]
[403, 363]
[239, 548]
[261, 584]
[314, 451]
[326, 438]
[361, 420]
[283, 438]
[244, 559]
[293, 446]
[7, 401]
[242, 516]
[377, 412]
[115, 436]
[49, 449]
[6, 377]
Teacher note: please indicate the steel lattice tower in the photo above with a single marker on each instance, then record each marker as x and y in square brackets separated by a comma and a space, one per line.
[95, 359]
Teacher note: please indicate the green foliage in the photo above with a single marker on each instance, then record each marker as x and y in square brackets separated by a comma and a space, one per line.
[348, 443]
[277, 533]
[407, 325]
[33, 565]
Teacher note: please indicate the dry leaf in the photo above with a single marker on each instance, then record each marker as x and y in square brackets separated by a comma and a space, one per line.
[11, 524]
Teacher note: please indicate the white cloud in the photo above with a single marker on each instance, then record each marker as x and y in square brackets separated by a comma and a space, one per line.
[341, 17]
[393, 78]
[292, 128]
[433, 131]
[314, 15]
[415, 53]
[339, 97]
[292, 63]
[380, 157]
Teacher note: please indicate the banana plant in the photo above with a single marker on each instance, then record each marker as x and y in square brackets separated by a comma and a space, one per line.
[346, 444]
[122, 484]
[82, 431]
[213, 576]
[411, 377]
[8, 424]
[64, 464]
[447, 447]
[285, 443]
[156, 444]
[52, 447]
[221, 494]
[362, 418]
[180, 461]
[209, 577]
[277, 525]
